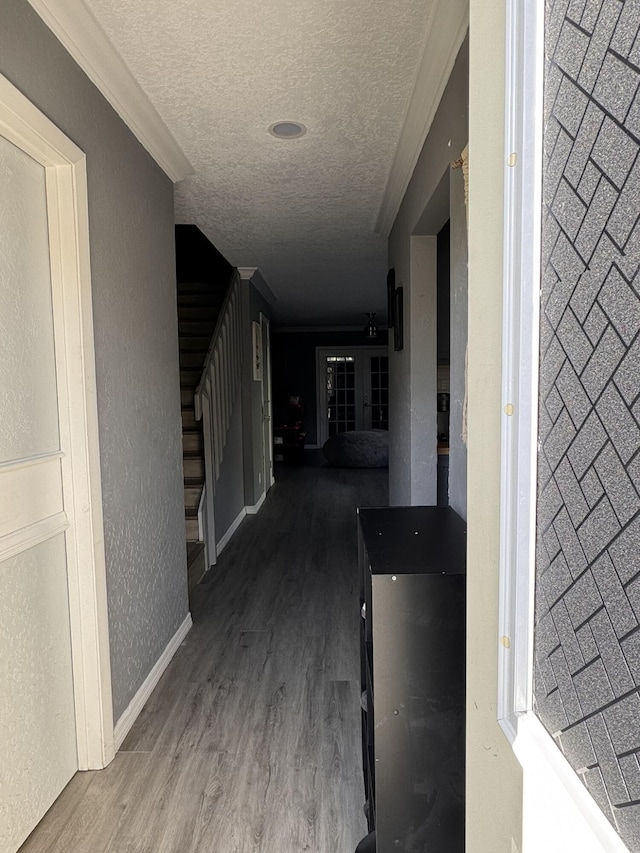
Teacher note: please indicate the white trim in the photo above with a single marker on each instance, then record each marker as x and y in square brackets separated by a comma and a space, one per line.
[21, 464]
[133, 709]
[255, 509]
[267, 406]
[256, 278]
[231, 530]
[558, 811]
[67, 206]
[201, 515]
[21, 540]
[523, 206]
[445, 34]
[79, 32]
[568, 805]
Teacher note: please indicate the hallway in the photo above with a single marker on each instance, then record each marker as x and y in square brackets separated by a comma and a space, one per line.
[251, 740]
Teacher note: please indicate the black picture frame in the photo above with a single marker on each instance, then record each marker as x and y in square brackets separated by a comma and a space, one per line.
[391, 298]
[398, 330]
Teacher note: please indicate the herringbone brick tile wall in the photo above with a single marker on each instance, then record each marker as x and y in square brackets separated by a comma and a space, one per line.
[587, 637]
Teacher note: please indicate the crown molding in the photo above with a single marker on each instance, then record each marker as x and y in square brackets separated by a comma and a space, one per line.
[446, 32]
[76, 28]
[256, 278]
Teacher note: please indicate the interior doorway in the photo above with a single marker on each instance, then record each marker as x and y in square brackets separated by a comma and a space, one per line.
[353, 389]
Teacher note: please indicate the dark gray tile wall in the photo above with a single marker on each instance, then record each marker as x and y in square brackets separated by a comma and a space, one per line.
[587, 638]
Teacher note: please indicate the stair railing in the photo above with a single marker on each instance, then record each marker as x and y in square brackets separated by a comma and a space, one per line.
[214, 400]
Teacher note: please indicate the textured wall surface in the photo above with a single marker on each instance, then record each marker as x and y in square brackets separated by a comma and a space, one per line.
[133, 280]
[447, 137]
[587, 639]
[252, 423]
[344, 69]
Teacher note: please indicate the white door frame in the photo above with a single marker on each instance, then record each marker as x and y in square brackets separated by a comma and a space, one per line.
[557, 808]
[267, 405]
[321, 387]
[65, 168]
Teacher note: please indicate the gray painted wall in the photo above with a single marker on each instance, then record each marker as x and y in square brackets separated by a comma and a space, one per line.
[587, 638]
[433, 196]
[252, 305]
[229, 495]
[133, 275]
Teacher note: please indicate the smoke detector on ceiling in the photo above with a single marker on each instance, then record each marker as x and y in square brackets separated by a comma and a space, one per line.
[287, 129]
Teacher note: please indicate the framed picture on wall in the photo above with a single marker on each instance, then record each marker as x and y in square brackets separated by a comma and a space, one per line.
[256, 338]
[398, 326]
[391, 298]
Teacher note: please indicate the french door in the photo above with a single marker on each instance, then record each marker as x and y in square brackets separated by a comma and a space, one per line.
[353, 389]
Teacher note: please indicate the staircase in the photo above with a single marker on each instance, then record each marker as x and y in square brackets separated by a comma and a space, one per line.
[203, 277]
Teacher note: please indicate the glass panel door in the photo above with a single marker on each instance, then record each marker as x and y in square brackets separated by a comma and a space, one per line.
[353, 390]
[377, 401]
[341, 393]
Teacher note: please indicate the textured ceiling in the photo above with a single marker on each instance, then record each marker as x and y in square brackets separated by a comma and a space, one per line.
[220, 72]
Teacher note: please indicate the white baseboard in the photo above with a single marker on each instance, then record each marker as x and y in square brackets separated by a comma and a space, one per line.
[255, 509]
[244, 512]
[235, 525]
[133, 709]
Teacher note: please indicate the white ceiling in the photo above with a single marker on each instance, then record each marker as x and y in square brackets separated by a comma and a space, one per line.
[220, 72]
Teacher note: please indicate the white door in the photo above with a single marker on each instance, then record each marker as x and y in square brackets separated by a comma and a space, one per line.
[37, 735]
[353, 390]
[267, 422]
[55, 686]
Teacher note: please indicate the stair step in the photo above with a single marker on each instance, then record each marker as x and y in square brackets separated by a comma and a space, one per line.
[189, 419]
[191, 529]
[196, 568]
[192, 360]
[193, 471]
[210, 287]
[186, 397]
[192, 442]
[186, 297]
[195, 343]
[193, 481]
[194, 549]
[198, 312]
[192, 497]
[190, 378]
[191, 328]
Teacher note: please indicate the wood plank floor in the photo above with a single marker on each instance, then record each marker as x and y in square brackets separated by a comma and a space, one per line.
[251, 740]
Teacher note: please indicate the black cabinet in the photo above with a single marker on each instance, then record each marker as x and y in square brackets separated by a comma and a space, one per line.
[289, 438]
[412, 563]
